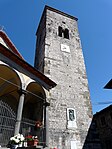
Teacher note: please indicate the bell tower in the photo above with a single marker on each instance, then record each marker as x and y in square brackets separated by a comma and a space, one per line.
[59, 56]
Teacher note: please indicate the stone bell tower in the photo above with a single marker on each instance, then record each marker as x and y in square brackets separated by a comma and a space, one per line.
[59, 56]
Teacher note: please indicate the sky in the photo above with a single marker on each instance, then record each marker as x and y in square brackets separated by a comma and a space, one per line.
[20, 20]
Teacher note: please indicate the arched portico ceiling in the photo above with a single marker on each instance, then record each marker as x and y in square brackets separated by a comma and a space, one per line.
[35, 93]
[9, 82]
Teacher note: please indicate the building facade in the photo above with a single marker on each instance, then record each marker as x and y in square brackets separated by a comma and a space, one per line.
[103, 121]
[100, 132]
[59, 56]
[93, 140]
[22, 94]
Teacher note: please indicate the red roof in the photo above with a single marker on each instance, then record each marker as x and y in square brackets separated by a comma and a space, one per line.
[9, 43]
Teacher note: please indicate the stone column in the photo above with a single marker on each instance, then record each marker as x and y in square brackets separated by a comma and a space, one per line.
[45, 135]
[47, 127]
[19, 111]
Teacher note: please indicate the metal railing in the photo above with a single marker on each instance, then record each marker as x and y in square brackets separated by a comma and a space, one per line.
[27, 126]
[7, 123]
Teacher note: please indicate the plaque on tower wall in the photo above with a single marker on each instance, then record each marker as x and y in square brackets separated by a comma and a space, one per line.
[73, 145]
[65, 48]
[71, 118]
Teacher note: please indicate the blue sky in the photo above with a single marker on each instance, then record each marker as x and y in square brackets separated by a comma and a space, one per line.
[20, 19]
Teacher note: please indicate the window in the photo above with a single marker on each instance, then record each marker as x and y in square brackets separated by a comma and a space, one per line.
[66, 33]
[63, 32]
[60, 30]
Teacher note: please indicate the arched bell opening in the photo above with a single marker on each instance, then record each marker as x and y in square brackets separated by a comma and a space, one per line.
[9, 85]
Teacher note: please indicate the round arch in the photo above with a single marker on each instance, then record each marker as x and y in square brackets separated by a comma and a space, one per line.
[10, 83]
[34, 99]
[37, 89]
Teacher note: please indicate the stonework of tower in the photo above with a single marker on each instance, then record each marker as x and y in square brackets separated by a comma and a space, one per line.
[59, 56]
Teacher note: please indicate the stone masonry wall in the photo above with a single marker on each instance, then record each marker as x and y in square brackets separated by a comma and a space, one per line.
[67, 69]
